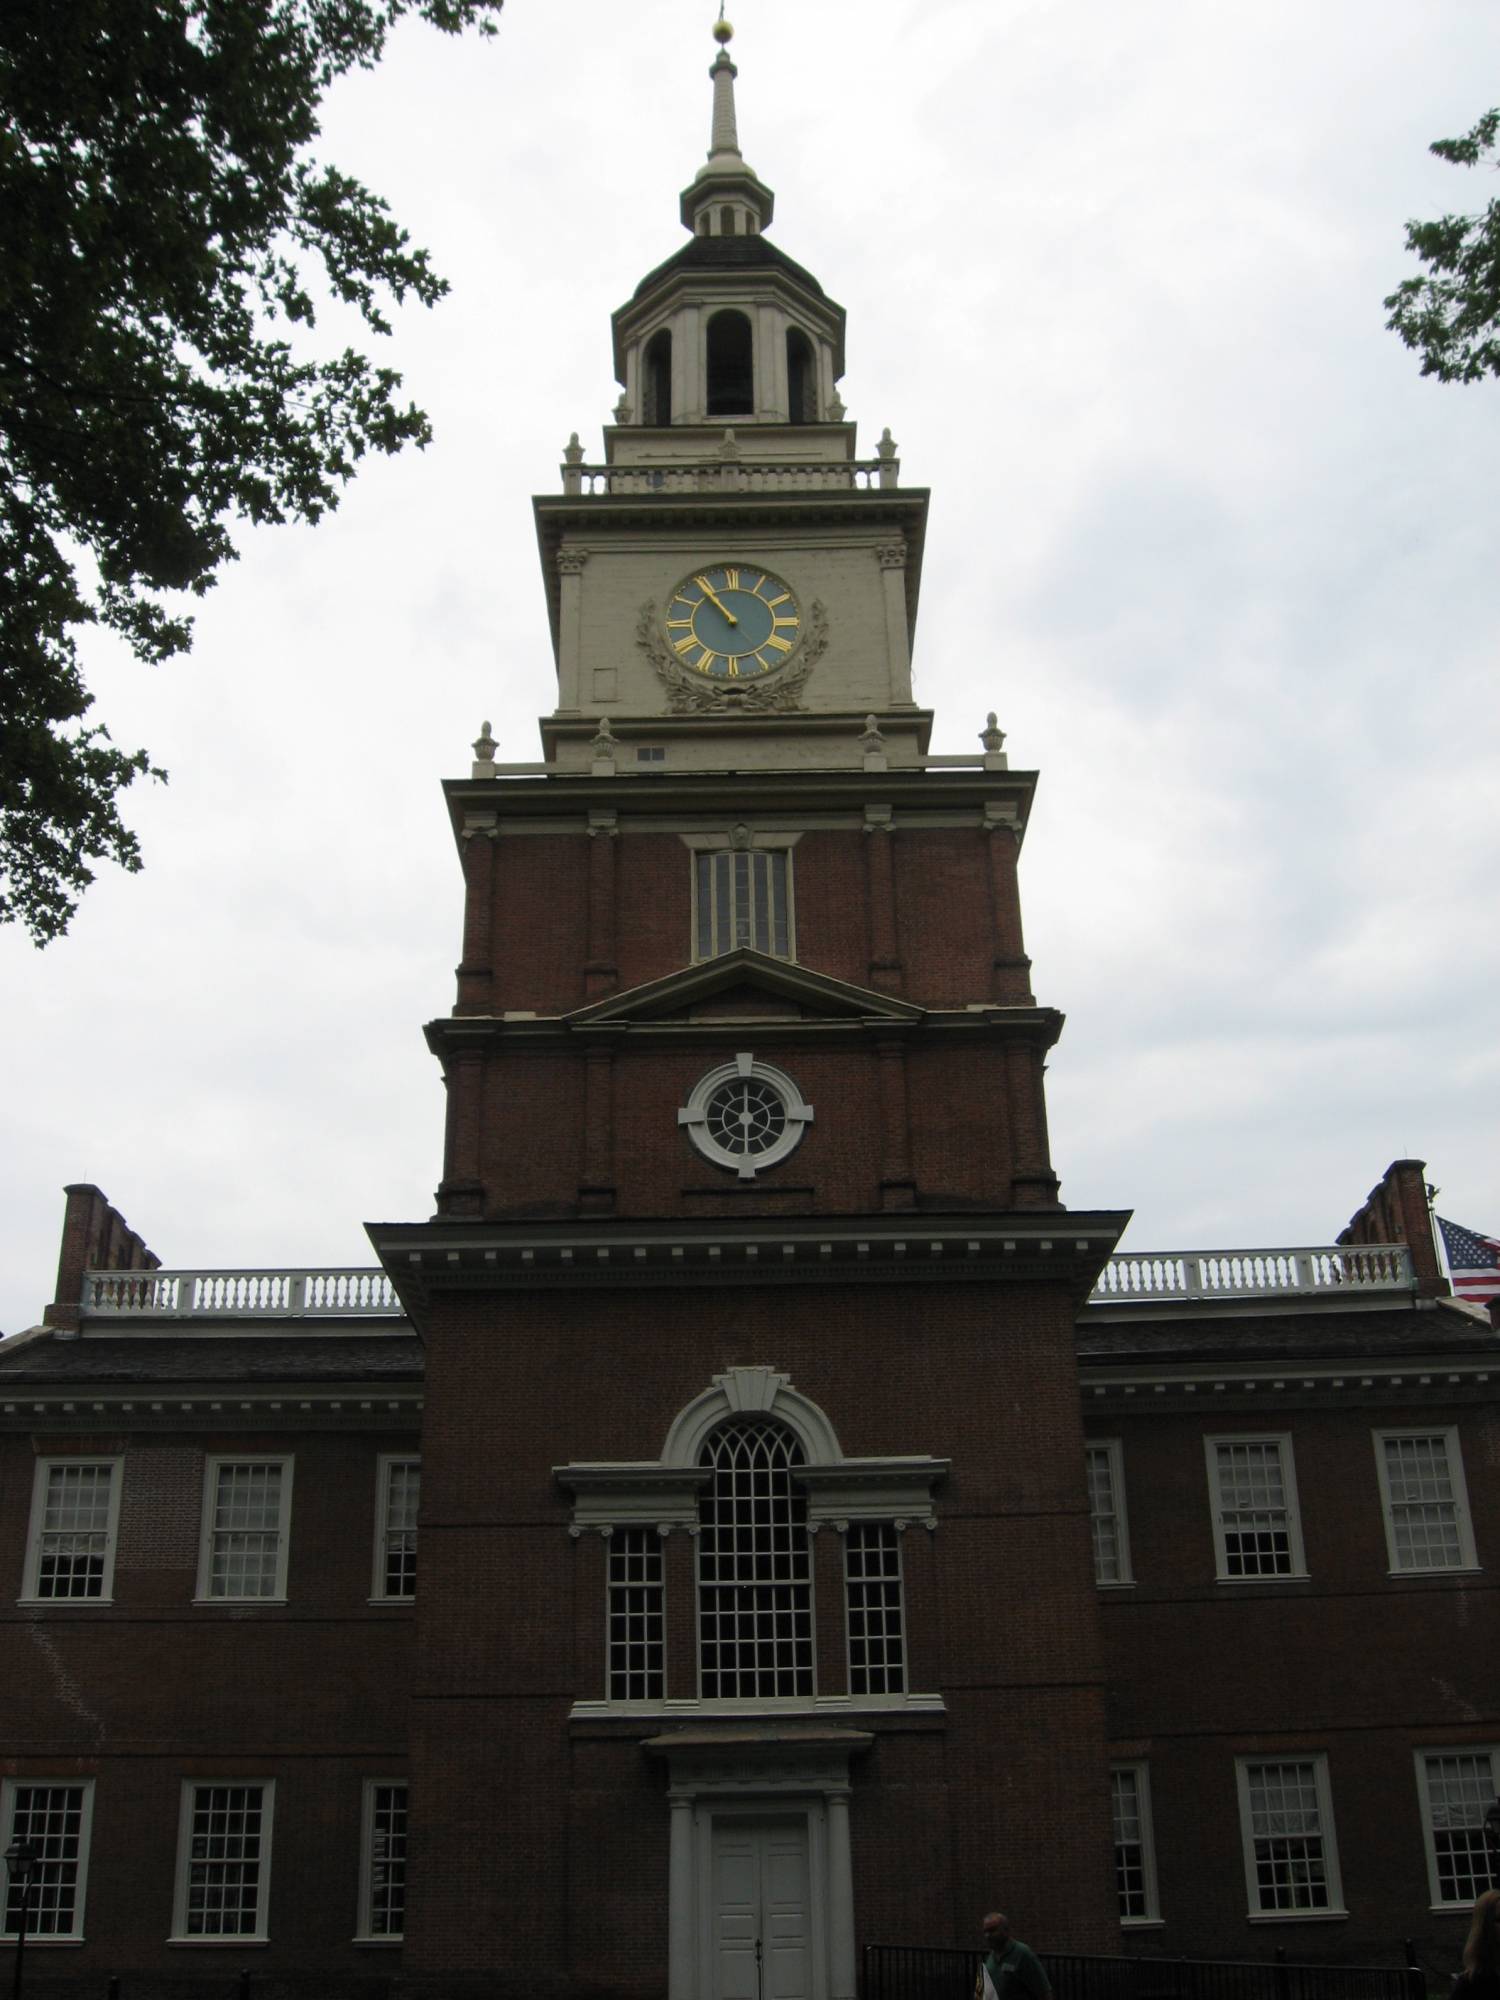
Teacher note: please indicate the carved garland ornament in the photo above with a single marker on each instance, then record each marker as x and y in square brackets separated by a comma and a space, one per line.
[689, 693]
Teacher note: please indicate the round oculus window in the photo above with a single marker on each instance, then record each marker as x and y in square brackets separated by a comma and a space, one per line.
[745, 1115]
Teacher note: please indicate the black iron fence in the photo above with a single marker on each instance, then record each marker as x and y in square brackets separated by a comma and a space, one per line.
[924, 1972]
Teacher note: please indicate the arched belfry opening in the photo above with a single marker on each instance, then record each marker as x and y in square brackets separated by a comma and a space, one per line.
[731, 365]
[801, 377]
[656, 365]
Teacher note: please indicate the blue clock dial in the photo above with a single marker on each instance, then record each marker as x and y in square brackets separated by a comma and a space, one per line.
[733, 621]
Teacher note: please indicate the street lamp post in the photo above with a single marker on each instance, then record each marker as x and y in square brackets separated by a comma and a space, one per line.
[20, 1866]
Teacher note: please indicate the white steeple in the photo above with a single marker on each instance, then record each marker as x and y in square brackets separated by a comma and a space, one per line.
[727, 197]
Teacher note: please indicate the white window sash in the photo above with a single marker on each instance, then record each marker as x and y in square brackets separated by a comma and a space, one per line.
[1117, 1518]
[389, 1461]
[35, 1936]
[1481, 1752]
[1447, 1438]
[1289, 1512]
[888, 1627]
[38, 1532]
[1327, 1844]
[1146, 1843]
[714, 926]
[191, 1788]
[615, 1595]
[367, 1933]
[205, 1593]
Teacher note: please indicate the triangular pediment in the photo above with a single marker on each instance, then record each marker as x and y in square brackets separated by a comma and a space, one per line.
[746, 985]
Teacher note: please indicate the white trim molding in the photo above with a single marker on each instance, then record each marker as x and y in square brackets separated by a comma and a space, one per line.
[1109, 1524]
[217, 1537]
[1424, 1500]
[87, 1537]
[1455, 1785]
[1256, 1522]
[66, 1875]
[253, 1857]
[386, 1464]
[373, 1855]
[1286, 1831]
[1135, 1844]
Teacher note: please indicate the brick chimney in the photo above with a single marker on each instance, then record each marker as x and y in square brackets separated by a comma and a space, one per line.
[95, 1237]
[1396, 1211]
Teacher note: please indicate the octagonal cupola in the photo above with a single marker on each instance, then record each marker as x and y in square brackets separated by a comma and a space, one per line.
[730, 332]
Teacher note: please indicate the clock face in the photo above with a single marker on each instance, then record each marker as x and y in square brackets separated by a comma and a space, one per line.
[733, 621]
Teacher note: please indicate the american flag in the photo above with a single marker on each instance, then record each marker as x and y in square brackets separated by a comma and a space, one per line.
[1473, 1262]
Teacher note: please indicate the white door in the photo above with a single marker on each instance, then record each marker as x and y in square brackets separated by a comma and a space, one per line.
[761, 1918]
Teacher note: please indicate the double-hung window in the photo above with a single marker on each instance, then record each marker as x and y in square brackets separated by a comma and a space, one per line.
[1253, 1488]
[382, 1870]
[1107, 1523]
[75, 1513]
[52, 1815]
[1286, 1822]
[742, 896]
[1456, 1788]
[224, 1860]
[398, 1497]
[1423, 1498]
[1135, 1857]
[872, 1587]
[636, 1615]
[247, 1506]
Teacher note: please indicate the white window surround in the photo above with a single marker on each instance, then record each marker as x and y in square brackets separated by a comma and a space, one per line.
[38, 1533]
[366, 1932]
[204, 1592]
[8, 1789]
[1109, 1526]
[1478, 1874]
[1316, 1763]
[181, 1935]
[777, 1095]
[386, 1464]
[745, 840]
[1145, 1843]
[664, 1493]
[1458, 1520]
[1288, 1511]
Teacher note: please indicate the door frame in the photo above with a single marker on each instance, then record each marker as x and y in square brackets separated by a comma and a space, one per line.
[760, 1770]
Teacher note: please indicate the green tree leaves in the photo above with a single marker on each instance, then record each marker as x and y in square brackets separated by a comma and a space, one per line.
[160, 214]
[1452, 315]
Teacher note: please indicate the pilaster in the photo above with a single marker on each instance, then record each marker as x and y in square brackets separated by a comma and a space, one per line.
[570, 688]
[880, 899]
[476, 968]
[600, 973]
[1011, 968]
[892, 557]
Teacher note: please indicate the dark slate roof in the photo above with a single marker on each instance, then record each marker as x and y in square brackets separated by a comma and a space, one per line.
[1333, 1334]
[128, 1358]
[701, 253]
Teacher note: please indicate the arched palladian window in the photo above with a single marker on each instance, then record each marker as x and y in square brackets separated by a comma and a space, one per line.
[731, 367]
[754, 1570]
[656, 365]
[801, 377]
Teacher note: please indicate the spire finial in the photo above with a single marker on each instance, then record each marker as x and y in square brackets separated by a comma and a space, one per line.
[724, 137]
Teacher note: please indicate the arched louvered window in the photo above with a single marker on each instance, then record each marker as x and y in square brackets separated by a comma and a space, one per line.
[731, 371]
[658, 377]
[801, 377]
[754, 1572]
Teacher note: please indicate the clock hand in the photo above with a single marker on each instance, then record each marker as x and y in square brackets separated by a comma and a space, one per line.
[714, 598]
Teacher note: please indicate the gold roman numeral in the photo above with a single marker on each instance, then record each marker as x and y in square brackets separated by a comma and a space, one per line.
[679, 624]
[731, 579]
[705, 661]
[785, 598]
[684, 646]
[781, 645]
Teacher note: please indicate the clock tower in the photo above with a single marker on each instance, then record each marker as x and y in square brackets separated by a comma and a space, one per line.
[755, 1540]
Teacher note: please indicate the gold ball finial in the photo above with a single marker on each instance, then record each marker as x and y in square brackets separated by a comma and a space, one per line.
[723, 30]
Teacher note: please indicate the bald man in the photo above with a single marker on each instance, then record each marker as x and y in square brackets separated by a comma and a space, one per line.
[1011, 1970]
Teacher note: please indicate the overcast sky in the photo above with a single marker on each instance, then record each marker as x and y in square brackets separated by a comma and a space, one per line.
[1226, 566]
